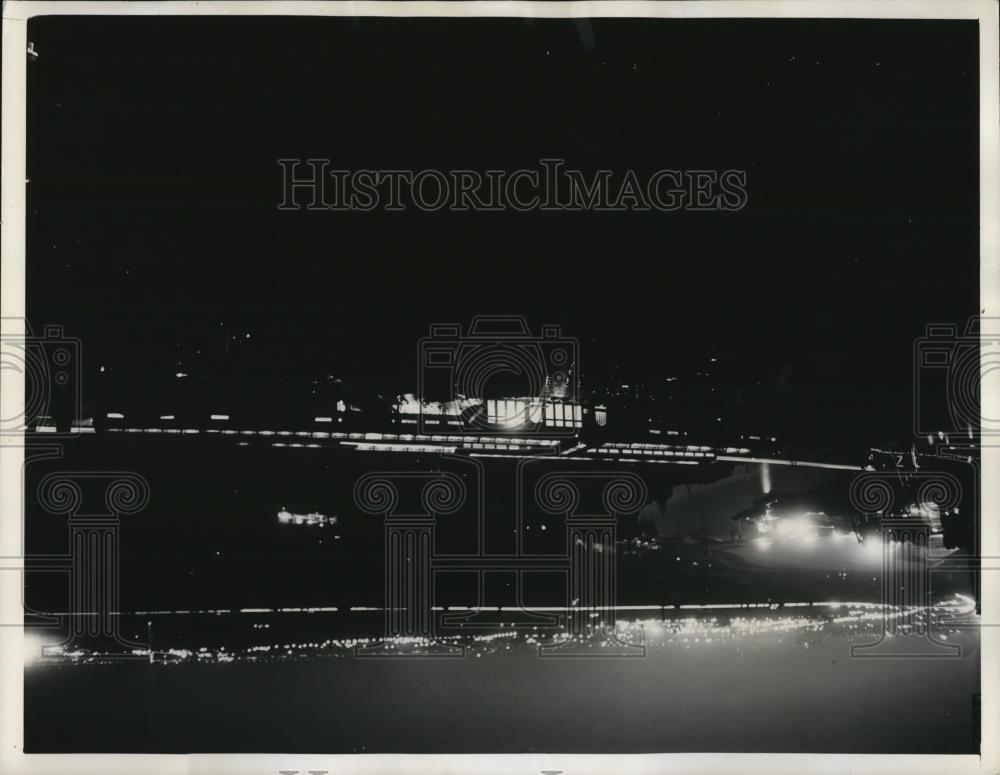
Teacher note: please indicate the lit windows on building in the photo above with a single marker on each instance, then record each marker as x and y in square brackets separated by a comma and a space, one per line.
[513, 412]
[563, 415]
[518, 412]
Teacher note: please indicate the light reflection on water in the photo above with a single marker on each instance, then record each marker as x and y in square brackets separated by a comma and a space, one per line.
[710, 680]
[699, 626]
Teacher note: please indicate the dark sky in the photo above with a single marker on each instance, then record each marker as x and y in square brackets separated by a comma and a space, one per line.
[152, 148]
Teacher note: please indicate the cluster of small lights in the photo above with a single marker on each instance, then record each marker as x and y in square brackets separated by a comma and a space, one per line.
[637, 544]
[370, 441]
[655, 453]
[442, 439]
[286, 517]
[674, 451]
[856, 619]
[413, 421]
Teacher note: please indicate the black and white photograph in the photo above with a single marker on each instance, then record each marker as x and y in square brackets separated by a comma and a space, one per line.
[385, 379]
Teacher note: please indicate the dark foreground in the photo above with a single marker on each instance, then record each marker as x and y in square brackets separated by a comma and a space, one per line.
[778, 681]
[209, 575]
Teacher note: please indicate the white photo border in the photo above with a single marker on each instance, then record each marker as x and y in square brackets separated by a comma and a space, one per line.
[12, 306]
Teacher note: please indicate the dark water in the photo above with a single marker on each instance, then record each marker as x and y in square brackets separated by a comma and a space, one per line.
[209, 536]
[775, 682]
[270, 680]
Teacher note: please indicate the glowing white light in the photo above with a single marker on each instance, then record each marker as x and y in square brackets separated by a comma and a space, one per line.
[382, 447]
[115, 416]
[35, 648]
[513, 412]
[219, 417]
[797, 527]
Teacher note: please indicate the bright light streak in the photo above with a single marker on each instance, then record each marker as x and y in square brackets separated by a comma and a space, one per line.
[33, 645]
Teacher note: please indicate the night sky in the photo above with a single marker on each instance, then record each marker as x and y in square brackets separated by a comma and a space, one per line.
[153, 229]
